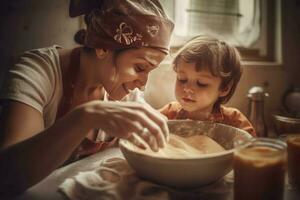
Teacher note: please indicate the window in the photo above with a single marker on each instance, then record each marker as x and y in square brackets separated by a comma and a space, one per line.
[247, 24]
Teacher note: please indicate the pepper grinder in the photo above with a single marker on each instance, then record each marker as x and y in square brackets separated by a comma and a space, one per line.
[256, 97]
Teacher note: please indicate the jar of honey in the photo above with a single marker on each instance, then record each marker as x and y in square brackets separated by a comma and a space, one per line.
[293, 149]
[259, 169]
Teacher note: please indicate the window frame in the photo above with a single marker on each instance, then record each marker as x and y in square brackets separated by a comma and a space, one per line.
[268, 17]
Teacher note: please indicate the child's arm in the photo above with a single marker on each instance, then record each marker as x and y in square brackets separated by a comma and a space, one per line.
[246, 125]
[236, 118]
[170, 110]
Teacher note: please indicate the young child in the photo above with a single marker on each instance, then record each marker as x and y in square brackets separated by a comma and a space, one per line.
[208, 71]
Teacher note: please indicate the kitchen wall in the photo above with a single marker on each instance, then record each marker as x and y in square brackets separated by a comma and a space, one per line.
[291, 40]
[27, 24]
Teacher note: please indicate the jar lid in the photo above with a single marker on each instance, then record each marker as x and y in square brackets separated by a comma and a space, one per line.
[257, 93]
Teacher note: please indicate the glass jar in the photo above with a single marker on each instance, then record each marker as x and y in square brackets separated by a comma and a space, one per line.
[259, 169]
[293, 150]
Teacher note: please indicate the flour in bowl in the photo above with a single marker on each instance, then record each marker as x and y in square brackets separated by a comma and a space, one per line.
[185, 147]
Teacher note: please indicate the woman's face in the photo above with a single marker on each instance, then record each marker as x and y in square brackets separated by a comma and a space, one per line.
[130, 70]
[196, 91]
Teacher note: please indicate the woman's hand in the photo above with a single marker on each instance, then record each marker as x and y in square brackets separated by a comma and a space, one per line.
[127, 120]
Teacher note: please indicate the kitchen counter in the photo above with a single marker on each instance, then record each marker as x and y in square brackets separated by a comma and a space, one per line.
[47, 189]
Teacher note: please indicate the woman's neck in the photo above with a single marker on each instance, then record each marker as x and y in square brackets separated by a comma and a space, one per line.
[88, 76]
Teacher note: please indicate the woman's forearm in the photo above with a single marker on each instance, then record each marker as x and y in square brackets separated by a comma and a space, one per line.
[26, 163]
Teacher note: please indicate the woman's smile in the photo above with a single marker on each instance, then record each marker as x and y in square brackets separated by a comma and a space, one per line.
[125, 88]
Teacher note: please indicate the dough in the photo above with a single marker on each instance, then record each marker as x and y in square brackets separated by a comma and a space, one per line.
[186, 147]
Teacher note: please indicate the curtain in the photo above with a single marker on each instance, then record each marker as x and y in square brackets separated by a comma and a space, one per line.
[235, 21]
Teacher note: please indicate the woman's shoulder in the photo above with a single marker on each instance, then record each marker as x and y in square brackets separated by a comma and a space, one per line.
[45, 53]
[35, 79]
[42, 62]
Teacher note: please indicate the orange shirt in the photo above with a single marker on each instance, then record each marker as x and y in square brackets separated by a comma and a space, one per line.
[225, 115]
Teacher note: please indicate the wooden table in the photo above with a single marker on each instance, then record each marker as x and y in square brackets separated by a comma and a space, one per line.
[47, 188]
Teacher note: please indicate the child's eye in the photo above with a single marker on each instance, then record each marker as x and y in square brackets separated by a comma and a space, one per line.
[182, 80]
[139, 68]
[201, 84]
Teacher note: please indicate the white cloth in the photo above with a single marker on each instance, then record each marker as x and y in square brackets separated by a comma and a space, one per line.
[112, 180]
[36, 80]
[135, 95]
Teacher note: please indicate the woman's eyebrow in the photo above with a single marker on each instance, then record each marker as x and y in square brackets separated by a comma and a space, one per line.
[152, 64]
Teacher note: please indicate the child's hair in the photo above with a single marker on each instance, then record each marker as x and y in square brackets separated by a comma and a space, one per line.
[221, 59]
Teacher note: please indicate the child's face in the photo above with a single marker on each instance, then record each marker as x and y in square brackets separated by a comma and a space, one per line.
[196, 91]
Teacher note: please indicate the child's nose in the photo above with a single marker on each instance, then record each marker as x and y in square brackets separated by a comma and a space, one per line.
[188, 90]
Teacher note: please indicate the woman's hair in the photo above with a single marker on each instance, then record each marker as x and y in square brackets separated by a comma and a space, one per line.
[221, 59]
[79, 37]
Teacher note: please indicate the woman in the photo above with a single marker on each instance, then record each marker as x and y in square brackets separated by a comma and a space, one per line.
[53, 100]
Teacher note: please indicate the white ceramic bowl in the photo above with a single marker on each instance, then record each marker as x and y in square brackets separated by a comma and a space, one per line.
[188, 172]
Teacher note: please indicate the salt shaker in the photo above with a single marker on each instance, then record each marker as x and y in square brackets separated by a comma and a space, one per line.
[256, 97]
